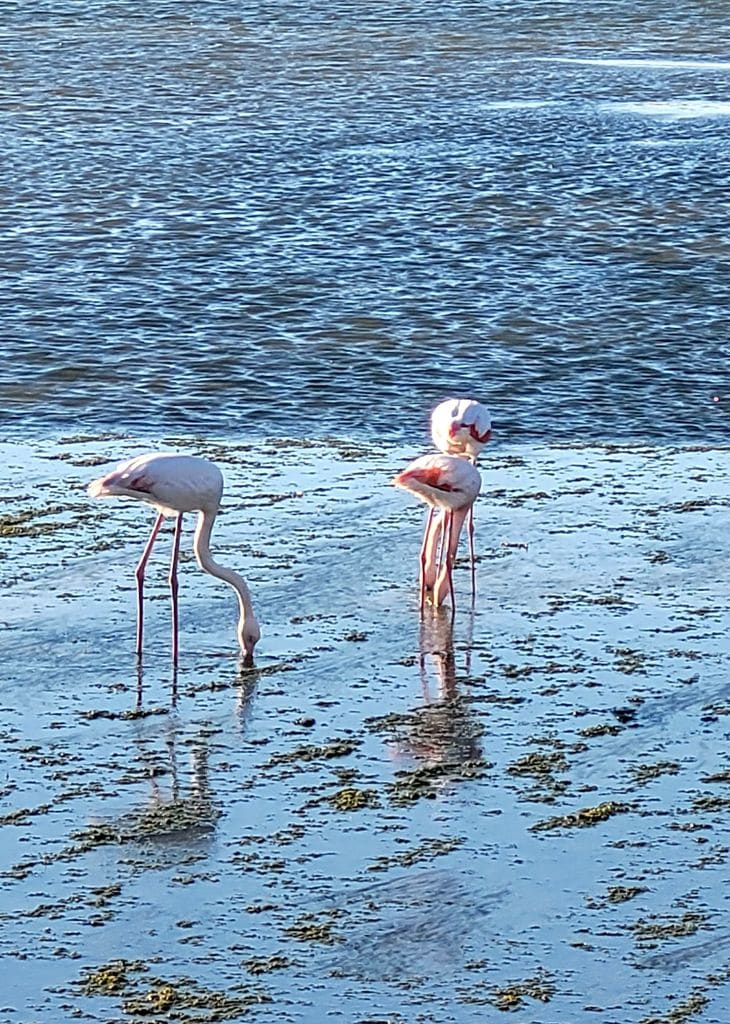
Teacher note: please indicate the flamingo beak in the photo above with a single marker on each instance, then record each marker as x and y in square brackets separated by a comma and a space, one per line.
[247, 652]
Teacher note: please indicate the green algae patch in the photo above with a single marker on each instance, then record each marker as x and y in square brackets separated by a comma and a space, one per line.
[513, 996]
[283, 837]
[258, 862]
[352, 799]
[103, 893]
[175, 998]
[604, 729]
[425, 851]
[649, 931]
[681, 1013]
[711, 803]
[623, 893]
[315, 752]
[316, 928]
[583, 818]
[540, 765]
[163, 820]
[629, 660]
[265, 964]
[167, 819]
[20, 816]
[644, 773]
[549, 668]
[111, 978]
[98, 897]
[355, 636]
[615, 894]
[540, 768]
[129, 715]
[429, 780]
[178, 999]
[23, 524]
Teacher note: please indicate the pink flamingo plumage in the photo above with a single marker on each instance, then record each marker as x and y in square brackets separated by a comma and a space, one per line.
[449, 486]
[462, 426]
[174, 485]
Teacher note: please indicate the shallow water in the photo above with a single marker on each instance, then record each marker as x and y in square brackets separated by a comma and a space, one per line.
[199, 828]
[301, 222]
[310, 220]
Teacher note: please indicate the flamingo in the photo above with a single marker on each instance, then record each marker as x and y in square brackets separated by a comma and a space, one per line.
[462, 426]
[451, 485]
[176, 484]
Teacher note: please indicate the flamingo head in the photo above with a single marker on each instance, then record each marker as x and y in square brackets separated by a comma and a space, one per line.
[249, 635]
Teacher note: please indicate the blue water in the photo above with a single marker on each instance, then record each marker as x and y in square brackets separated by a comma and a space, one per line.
[306, 219]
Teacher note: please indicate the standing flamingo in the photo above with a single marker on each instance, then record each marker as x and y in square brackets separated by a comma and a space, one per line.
[450, 485]
[176, 484]
[461, 426]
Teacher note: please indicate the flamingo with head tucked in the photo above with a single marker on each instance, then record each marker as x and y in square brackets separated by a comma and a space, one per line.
[174, 485]
[449, 486]
[462, 426]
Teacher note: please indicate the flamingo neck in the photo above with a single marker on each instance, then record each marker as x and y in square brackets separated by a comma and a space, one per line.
[247, 624]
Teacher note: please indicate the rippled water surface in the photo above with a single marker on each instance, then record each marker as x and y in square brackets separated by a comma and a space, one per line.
[261, 218]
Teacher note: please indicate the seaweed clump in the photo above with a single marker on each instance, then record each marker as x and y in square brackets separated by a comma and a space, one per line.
[311, 929]
[583, 818]
[264, 964]
[616, 894]
[426, 850]
[649, 931]
[426, 782]
[352, 799]
[110, 978]
[512, 996]
[170, 997]
[541, 768]
[691, 1006]
[316, 752]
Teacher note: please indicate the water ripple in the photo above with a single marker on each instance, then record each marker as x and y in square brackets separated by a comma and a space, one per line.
[323, 222]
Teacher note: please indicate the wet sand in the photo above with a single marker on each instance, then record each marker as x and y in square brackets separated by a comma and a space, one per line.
[387, 819]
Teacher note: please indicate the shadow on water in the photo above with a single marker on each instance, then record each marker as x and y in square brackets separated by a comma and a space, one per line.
[423, 922]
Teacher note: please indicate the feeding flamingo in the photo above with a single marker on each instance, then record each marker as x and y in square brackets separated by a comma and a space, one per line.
[174, 485]
[449, 486]
[462, 426]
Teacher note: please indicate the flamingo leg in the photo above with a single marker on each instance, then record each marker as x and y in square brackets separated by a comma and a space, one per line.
[450, 557]
[423, 557]
[445, 582]
[442, 543]
[433, 543]
[472, 554]
[139, 573]
[444, 575]
[173, 586]
[426, 557]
